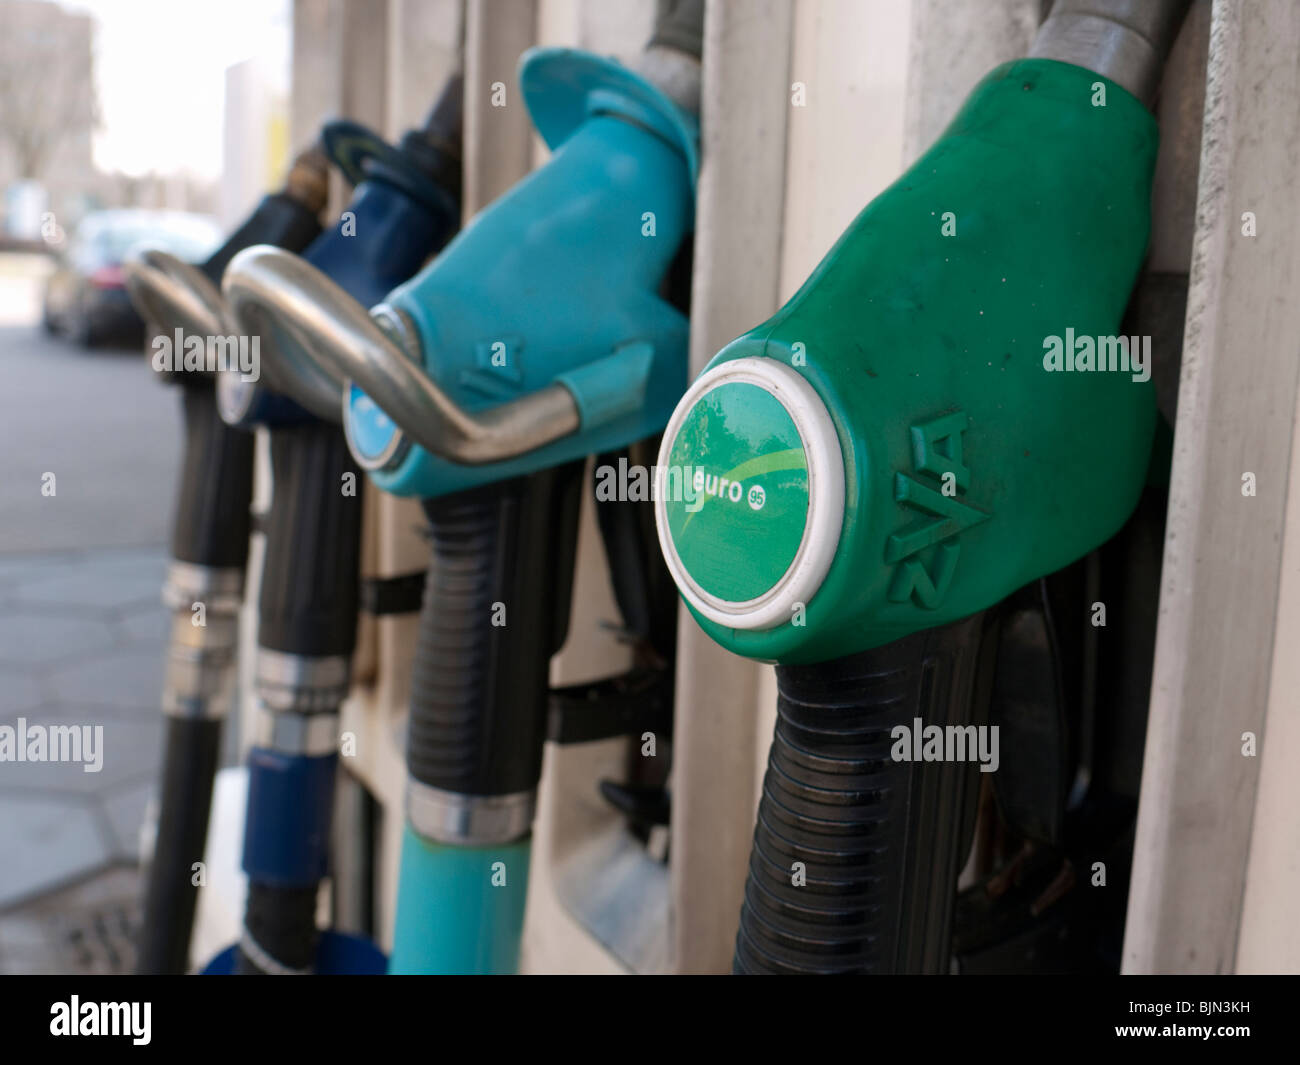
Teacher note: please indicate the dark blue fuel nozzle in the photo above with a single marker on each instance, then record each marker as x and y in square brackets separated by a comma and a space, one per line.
[404, 207]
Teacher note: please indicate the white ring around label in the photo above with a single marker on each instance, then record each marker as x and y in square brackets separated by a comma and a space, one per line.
[821, 534]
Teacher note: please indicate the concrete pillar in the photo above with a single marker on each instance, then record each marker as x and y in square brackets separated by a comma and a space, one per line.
[1215, 864]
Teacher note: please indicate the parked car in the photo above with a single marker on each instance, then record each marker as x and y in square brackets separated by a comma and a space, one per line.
[86, 298]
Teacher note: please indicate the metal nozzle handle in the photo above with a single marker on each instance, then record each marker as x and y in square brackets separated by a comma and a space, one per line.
[326, 327]
[291, 367]
[173, 294]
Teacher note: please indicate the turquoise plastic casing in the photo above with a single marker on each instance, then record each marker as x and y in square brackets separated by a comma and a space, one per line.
[556, 281]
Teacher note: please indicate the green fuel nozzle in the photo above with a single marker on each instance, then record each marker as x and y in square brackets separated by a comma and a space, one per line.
[941, 414]
[943, 411]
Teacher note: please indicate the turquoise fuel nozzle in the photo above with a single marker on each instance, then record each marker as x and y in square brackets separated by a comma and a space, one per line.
[536, 338]
[492, 320]
[941, 414]
[477, 370]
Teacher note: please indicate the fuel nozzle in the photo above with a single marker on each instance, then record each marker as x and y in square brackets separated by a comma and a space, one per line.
[436, 146]
[405, 203]
[941, 414]
[538, 336]
[900, 445]
[426, 161]
[175, 295]
[456, 380]
[209, 546]
[403, 207]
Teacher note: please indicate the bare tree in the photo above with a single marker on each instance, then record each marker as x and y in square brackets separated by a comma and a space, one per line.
[47, 90]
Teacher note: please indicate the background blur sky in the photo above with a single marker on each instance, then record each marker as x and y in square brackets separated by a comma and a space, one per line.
[159, 66]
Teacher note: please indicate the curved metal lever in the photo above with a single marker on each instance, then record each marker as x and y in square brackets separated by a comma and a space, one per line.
[328, 328]
[173, 294]
[291, 367]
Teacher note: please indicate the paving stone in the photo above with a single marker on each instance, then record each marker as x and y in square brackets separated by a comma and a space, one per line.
[22, 566]
[31, 961]
[131, 751]
[125, 811]
[146, 565]
[149, 563]
[148, 626]
[33, 640]
[47, 843]
[20, 930]
[128, 678]
[87, 927]
[87, 590]
[20, 692]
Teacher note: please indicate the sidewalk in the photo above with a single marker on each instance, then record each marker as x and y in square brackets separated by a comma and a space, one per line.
[81, 643]
[82, 630]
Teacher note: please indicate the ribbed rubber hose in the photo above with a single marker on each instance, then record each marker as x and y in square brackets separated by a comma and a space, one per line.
[282, 922]
[856, 855]
[495, 611]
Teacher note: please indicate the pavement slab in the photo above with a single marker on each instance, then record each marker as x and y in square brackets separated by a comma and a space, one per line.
[126, 752]
[47, 842]
[34, 641]
[21, 692]
[93, 594]
[82, 639]
[147, 625]
[88, 927]
[128, 678]
[125, 808]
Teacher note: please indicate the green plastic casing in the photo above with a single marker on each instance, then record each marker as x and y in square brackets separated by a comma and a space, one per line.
[969, 467]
